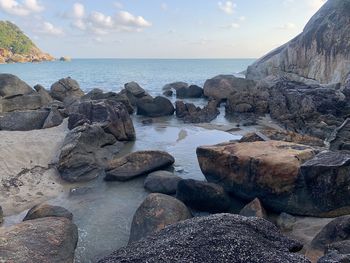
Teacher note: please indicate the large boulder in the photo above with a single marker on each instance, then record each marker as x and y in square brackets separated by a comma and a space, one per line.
[10, 85]
[321, 52]
[175, 86]
[136, 164]
[79, 158]
[221, 87]
[163, 182]
[203, 196]
[135, 93]
[192, 91]
[23, 120]
[46, 240]
[54, 118]
[66, 89]
[155, 213]
[32, 101]
[155, 107]
[45, 210]
[110, 115]
[45, 95]
[216, 238]
[189, 113]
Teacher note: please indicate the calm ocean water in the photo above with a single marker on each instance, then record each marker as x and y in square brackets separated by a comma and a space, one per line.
[112, 74]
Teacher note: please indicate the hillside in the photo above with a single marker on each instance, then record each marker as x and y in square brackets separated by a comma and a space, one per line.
[16, 47]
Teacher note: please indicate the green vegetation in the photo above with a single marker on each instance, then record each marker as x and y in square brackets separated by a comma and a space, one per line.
[12, 38]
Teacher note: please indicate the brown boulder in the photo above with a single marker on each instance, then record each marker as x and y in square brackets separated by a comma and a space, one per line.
[45, 210]
[254, 209]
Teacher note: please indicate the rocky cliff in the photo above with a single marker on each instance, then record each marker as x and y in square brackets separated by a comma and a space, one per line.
[16, 47]
[321, 53]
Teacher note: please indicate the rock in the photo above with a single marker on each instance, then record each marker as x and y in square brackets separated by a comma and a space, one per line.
[334, 257]
[157, 107]
[10, 85]
[320, 53]
[137, 163]
[192, 91]
[1, 216]
[46, 240]
[192, 114]
[339, 139]
[162, 182]
[65, 59]
[45, 95]
[23, 120]
[21, 103]
[221, 87]
[175, 86]
[286, 222]
[254, 209]
[66, 89]
[110, 115]
[134, 92]
[216, 238]
[168, 93]
[53, 119]
[155, 213]
[79, 160]
[203, 196]
[44, 210]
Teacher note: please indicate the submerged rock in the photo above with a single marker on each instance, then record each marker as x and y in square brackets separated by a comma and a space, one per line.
[46, 240]
[10, 85]
[254, 209]
[23, 120]
[64, 89]
[163, 182]
[45, 210]
[216, 238]
[136, 164]
[157, 107]
[155, 213]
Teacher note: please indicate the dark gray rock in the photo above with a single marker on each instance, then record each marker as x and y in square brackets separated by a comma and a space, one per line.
[135, 92]
[136, 164]
[175, 86]
[189, 113]
[168, 93]
[1, 216]
[212, 239]
[157, 107]
[45, 95]
[162, 182]
[45, 210]
[254, 209]
[286, 222]
[23, 120]
[192, 91]
[64, 89]
[32, 101]
[334, 257]
[203, 196]
[54, 119]
[10, 85]
[155, 213]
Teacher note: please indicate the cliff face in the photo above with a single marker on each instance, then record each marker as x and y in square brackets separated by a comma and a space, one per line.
[320, 53]
[15, 46]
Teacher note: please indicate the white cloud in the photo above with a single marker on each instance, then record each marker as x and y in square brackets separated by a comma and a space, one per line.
[78, 10]
[24, 8]
[242, 18]
[49, 29]
[232, 26]
[124, 18]
[227, 7]
[288, 26]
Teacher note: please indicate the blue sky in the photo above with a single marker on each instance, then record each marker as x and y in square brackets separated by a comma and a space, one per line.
[159, 28]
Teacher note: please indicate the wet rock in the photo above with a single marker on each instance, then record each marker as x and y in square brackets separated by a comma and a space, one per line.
[157, 107]
[46, 240]
[64, 89]
[216, 238]
[162, 182]
[79, 160]
[53, 119]
[334, 257]
[23, 120]
[254, 209]
[203, 196]
[110, 115]
[135, 92]
[168, 93]
[192, 114]
[175, 86]
[286, 222]
[10, 85]
[155, 213]
[221, 87]
[137, 163]
[192, 91]
[45, 210]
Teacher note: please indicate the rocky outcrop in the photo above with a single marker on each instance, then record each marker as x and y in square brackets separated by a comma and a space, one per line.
[46, 240]
[163, 182]
[10, 85]
[110, 115]
[23, 120]
[45, 210]
[203, 196]
[66, 89]
[286, 177]
[189, 113]
[320, 53]
[136, 164]
[155, 107]
[216, 238]
[254, 209]
[155, 213]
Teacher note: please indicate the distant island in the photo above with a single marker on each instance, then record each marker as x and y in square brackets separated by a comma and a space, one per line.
[16, 47]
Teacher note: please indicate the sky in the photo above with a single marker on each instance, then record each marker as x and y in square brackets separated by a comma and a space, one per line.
[159, 28]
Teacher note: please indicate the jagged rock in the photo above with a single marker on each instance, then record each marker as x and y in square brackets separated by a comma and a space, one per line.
[46, 240]
[339, 139]
[66, 89]
[192, 114]
[53, 119]
[254, 209]
[320, 52]
[134, 92]
[23, 120]
[45, 95]
[44, 210]
[192, 91]
[157, 107]
[216, 238]
[110, 115]
[79, 160]
[10, 85]
[221, 87]
[155, 213]
[137, 163]
[163, 182]
[203, 196]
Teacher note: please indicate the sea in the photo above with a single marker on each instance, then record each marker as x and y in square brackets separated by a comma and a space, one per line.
[103, 211]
